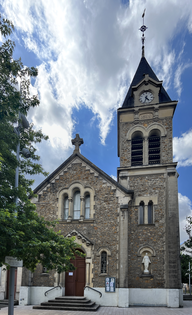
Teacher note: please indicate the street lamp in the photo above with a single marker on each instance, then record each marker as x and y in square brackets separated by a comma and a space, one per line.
[12, 261]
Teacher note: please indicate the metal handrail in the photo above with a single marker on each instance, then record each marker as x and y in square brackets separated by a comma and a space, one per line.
[58, 286]
[93, 290]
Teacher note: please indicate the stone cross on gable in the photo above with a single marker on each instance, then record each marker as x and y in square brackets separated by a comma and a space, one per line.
[77, 141]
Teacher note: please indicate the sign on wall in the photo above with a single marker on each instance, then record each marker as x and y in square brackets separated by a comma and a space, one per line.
[13, 261]
[110, 284]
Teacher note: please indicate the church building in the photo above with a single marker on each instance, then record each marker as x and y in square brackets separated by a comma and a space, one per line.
[129, 228]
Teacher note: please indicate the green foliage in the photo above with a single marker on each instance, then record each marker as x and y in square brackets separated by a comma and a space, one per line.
[24, 234]
[185, 259]
[186, 252]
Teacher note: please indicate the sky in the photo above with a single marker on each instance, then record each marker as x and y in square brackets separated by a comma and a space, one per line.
[87, 52]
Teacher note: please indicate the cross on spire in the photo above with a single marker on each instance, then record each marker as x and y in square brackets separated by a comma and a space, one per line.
[77, 141]
[143, 29]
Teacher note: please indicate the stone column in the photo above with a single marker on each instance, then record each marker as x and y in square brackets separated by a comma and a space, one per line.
[123, 244]
[70, 210]
[87, 273]
[145, 219]
[82, 209]
[145, 151]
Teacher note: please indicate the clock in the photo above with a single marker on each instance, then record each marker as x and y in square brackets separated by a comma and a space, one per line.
[146, 97]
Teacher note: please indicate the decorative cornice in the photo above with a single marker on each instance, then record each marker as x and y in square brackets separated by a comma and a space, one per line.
[80, 236]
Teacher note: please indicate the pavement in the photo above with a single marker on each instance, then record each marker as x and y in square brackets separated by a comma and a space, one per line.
[28, 310]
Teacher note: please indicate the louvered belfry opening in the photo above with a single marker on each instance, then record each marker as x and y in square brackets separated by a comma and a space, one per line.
[137, 150]
[154, 148]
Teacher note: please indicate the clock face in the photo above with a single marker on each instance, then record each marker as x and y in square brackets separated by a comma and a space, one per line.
[146, 97]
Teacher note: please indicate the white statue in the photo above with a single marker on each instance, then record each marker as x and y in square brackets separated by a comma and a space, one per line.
[146, 261]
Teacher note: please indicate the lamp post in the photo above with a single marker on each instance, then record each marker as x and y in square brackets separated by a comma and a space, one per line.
[12, 261]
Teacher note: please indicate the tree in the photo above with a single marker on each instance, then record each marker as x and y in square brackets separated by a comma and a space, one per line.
[186, 252]
[185, 259]
[24, 234]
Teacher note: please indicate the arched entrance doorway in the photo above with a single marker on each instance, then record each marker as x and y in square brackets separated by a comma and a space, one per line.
[75, 280]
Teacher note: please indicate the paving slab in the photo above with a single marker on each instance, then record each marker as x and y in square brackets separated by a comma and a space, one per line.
[28, 310]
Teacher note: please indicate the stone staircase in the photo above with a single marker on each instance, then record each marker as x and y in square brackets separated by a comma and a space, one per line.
[69, 303]
[4, 303]
[187, 297]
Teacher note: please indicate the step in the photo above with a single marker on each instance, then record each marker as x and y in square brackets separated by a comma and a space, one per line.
[69, 301]
[55, 303]
[187, 297]
[6, 302]
[67, 308]
[71, 298]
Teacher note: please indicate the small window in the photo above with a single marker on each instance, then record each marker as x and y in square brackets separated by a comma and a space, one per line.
[76, 205]
[103, 262]
[137, 149]
[87, 206]
[66, 208]
[150, 212]
[141, 212]
[154, 147]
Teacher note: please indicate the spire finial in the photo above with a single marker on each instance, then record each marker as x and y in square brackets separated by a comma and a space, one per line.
[143, 29]
[77, 141]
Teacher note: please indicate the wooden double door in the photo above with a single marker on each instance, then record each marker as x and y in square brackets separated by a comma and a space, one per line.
[75, 280]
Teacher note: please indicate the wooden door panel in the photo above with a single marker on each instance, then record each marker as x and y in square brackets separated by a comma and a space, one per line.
[74, 284]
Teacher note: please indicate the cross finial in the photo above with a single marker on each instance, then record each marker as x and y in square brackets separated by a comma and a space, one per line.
[77, 141]
[143, 29]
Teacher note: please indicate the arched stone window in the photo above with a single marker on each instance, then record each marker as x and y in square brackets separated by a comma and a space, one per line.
[76, 202]
[66, 207]
[154, 149]
[103, 262]
[141, 212]
[76, 205]
[137, 149]
[150, 212]
[87, 206]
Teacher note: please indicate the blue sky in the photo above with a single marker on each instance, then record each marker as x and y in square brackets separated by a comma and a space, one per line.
[87, 52]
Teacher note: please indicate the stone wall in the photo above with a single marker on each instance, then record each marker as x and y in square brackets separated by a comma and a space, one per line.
[147, 234]
[166, 142]
[102, 230]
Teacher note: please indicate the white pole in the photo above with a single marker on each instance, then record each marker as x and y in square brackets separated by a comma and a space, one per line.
[189, 279]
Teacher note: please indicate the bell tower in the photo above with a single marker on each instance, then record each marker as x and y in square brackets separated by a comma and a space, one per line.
[147, 167]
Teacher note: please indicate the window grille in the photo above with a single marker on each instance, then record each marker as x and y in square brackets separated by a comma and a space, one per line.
[137, 151]
[87, 206]
[154, 150]
[76, 205]
[141, 212]
[66, 208]
[103, 262]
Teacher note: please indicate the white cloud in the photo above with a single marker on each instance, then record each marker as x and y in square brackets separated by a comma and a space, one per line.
[182, 149]
[177, 80]
[90, 50]
[114, 177]
[185, 209]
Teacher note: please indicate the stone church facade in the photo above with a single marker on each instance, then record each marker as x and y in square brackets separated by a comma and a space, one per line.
[129, 228]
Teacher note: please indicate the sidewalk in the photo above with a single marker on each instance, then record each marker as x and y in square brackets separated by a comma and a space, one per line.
[186, 310]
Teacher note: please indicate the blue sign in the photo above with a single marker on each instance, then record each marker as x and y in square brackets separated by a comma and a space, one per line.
[110, 284]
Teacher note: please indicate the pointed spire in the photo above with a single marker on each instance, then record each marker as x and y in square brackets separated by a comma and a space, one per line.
[143, 29]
